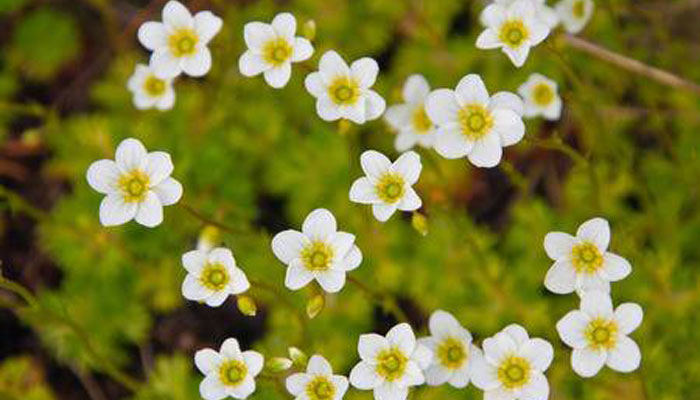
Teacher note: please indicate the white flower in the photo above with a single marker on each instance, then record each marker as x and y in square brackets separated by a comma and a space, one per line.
[212, 276]
[542, 11]
[410, 118]
[575, 14]
[318, 252]
[390, 365]
[599, 336]
[387, 186]
[512, 366]
[541, 97]
[582, 262]
[137, 185]
[471, 123]
[272, 48]
[228, 372]
[452, 349]
[179, 43]
[344, 92]
[150, 91]
[514, 29]
[318, 382]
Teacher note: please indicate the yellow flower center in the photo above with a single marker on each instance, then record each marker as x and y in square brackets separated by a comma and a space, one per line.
[421, 121]
[514, 372]
[232, 372]
[451, 353]
[183, 42]
[320, 388]
[154, 86]
[475, 121]
[390, 188]
[586, 258]
[579, 9]
[513, 33]
[391, 364]
[214, 277]
[344, 91]
[317, 256]
[542, 94]
[601, 334]
[277, 51]
[134, 186]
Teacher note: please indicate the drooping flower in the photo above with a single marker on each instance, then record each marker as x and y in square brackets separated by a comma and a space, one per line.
[514, 29]
[272, 48]
[512, 366]
[228, 372]
[390, 365]
[345, 92]
[599, 335]
[473, 124]
[582, 262]
[212, 276]
[541, 97]
[179, 43]
[544, 12]
[452, 349]
[410, 118]
[318, 382]
[575, 14]
[387, 186]
[137, 185]
[319, 252]
[150, 91]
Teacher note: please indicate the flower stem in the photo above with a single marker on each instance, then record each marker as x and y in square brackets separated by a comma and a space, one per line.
[208, 221]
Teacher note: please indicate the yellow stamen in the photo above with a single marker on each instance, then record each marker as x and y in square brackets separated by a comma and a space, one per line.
[317, 256]
[344, 91]
[134, 186]
[232, 372]
[514, 372]
[183, 42]
[390, 188]
[277, 51]
[475, 120]
[513, 33]
[586, 258]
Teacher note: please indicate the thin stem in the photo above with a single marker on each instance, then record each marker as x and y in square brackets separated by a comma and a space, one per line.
[208, 221]
[381, 299]
[557, 144]
[517, 178]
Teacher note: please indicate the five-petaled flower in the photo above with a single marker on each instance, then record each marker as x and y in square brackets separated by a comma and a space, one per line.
[212, 275]
[345, 92]
[512, 366]
[599, 335]
[179, 43]
[541, 97]
[545, 13]
[149, 90]
[471, 123]
[228, 372]
[137, 185]
[582, 262]
[410, 118]
[514, 29]
[452, 349]
[272, 48]
[575, 14]
[318, 252]
[390, 365]
[387, 185]
[318, 382]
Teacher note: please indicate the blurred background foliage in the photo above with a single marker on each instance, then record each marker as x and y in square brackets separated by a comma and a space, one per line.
[260, 160]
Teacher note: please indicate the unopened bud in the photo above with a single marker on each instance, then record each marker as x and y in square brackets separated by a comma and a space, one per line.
[298, 357]
[309, 30]
[315, 305]
[420, 223]
[247, 305]
[279, 364]
[209, 237]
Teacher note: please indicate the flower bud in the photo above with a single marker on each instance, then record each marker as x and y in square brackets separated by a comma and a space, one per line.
[209, 237]
[315, 305]
[299, 358]
[247, 305]
[420, 223]
[278, 364]
[309, 30]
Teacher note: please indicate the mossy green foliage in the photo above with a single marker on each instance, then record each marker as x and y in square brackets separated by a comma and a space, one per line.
[20, 379]
[236, 144]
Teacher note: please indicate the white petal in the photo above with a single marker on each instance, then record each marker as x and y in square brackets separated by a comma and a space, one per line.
[375, 105]
[251, 64]
[441, 106]
[285, 25]
[536, 389]
[517, 56]
[374, 164]
[169, 191]
[615, 267]
[437, 375]
[331, 280]
[231, 349]
[207, 25]
[591, 282]
[558, 245]
[319, 224]
[572, 327]
[287, 245]
[399, 115]
[314, 84]
[625, 357]
[297, 275]
[221, 255]
[296, 383]
[279, 76]
[357, 112]
[538, 32]
[370, 344]
[412, 375]
[364, 71]
[176, 15]
[517, 333]
[460, 378]
[114, 211]
[198, 64]
[408, 165]
[509, 126]
[471, 90]
[239, 281]
[150, 211]
[167, 100]
[402, 336]
[416, 89]
[158, 167]
[327, 110]
[143, 101]
[484, 375]
[450, 143]
[487, 151]
[488, 39]
[498, 346]
[507, 100]
[405, 140]
[257, 34]
[254, 361]
[103, 176]
[331, 66]
[561, 277]
[164, 64]
[352, 259]
[587, 362]
[130, 154]
[206, 360]
[410, 201]
[193, 290]
[539, 352]
[364, 376]
[341, 386]
[442, 324]
[319, 365]
[597, 304]
[302, 50]
[216, 299]
[492, 15]
[211, 388]
[597, 231]
[628, 316]
[422, 355]
[382, 212]
[341, 242]
[362, 191]
[244, 389]
[553, 111]
[193, 261]
[152, 35]
[390, 391]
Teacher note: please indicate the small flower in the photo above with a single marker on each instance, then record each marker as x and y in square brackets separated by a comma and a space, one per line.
[137, 185]
[387, 186]
[514, 29]
[471, 123]
[344, 92]
[150, 91]
[512, 366]
[318, 252]
[575, 14]
[228, 372]
[272, 48]
[545, 13]
[541, 97]
[390, 365]
[599, 336]
[582, 262]
[410, 118]
[452, 349]
[179, 43]
[318, 382]
[212, 276]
